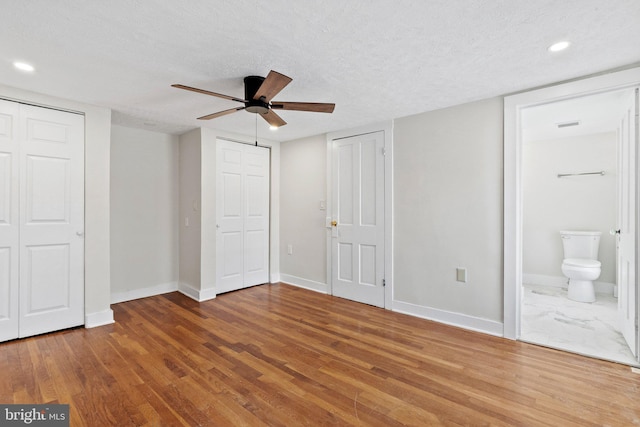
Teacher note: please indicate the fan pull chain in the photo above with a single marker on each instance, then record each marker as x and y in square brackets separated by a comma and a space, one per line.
[256, 114]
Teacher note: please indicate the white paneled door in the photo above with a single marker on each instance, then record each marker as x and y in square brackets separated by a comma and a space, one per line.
[357, 252]
[242, 215]
[627, 190]
[41, 220]
[9, 221]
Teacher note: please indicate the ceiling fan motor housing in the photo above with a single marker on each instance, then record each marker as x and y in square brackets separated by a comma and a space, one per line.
[264, 89]
[251, 85]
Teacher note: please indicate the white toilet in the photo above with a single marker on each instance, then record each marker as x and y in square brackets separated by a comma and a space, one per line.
[581, 263]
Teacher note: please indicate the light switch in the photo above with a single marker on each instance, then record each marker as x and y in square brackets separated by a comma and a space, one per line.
[289, 249]
[323, 205]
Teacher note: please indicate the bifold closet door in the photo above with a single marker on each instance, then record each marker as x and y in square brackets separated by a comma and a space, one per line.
[242, 216]
[9, 221]
[41, 220]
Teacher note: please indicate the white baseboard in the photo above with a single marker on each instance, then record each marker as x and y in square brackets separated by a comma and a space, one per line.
[150, 291]
[561, 282]
[464, 321]
[199, 295]
[455, 319]
[207, 294]
[304, 283]
[92, 320]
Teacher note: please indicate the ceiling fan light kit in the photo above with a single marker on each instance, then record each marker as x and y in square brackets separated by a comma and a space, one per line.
[258, 94]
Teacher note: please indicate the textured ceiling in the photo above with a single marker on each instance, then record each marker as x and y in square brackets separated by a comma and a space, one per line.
[376, 59]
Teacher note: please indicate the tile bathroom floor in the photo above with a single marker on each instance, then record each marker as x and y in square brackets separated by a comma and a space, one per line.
[550, 319]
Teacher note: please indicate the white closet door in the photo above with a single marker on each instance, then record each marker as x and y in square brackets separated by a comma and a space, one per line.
[229, 218]
[51, 221]
[41, 220]
[242, 216]
[256, 215]
[9, 222]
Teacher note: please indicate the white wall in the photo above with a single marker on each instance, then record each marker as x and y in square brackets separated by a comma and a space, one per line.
[197, 204]
[551, 204]
[144, 213]
[190, 204]
[448, 210]
[447, 174]
[303, 185]
[208, 231]
[97, 236]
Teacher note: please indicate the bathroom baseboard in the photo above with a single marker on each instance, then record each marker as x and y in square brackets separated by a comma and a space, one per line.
[561, 282]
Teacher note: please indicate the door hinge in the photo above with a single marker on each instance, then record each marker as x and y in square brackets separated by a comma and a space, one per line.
[384, 151]
[384, 282]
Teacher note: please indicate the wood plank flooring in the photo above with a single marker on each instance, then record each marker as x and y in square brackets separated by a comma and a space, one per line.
[276, 355]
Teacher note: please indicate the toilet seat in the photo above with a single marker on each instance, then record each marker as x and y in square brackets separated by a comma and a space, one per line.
[581, 263]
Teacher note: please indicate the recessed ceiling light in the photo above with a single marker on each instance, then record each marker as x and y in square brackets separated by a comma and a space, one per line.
[23, 66]
[557, 47]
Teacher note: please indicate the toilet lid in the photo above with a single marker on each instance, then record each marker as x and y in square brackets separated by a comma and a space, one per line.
[581, 262]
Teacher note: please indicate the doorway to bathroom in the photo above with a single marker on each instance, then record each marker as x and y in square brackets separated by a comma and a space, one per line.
[575, 171]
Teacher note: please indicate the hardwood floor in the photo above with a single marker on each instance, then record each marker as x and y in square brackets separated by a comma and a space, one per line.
[278, 355]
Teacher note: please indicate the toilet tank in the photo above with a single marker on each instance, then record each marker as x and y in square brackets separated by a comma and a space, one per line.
[580, 244]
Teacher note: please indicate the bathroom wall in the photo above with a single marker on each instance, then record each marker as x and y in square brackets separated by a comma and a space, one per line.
[551, 204]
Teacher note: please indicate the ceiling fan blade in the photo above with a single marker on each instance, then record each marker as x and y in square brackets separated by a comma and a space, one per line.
[220, 113]
[317, 107]
[206, 92]
[273, 84]
[273, 119]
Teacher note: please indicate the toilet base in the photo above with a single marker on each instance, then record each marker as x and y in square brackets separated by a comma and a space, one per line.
[581, 291]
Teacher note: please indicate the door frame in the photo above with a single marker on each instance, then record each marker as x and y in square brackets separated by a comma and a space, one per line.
[513, 106]
[387, 129]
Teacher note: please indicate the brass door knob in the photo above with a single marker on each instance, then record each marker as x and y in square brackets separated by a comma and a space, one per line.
[334, 223]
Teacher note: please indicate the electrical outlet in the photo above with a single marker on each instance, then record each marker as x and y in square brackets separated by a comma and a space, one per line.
[461, 275]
